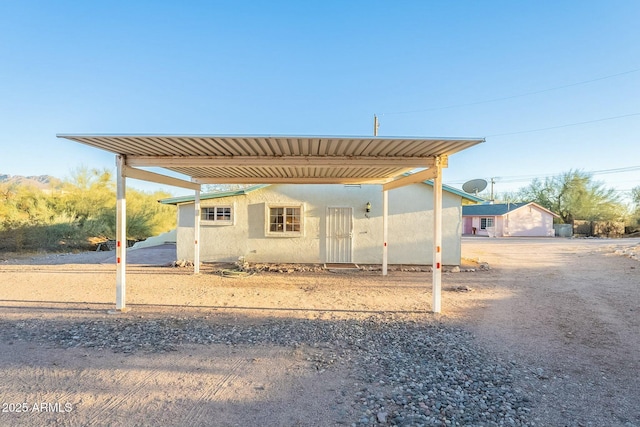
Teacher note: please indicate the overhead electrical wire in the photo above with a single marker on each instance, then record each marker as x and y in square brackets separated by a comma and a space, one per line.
[514, 179]
[564, 126]
[504, 98]
[524, 178]
[534, 93]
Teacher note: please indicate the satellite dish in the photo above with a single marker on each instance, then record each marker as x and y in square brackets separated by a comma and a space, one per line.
[474, 186]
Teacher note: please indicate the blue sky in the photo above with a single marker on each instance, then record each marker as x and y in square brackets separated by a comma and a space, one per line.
[496, 69]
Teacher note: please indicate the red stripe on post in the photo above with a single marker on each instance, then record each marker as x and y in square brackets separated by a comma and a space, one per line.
[118, 260]
[118, 243]
[385, 244]
[438, 265]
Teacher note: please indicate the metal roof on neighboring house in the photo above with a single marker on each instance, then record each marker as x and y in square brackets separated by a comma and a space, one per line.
[214, 195]
[495, 209]
[498, 209]
[469, 197]
[240, 192]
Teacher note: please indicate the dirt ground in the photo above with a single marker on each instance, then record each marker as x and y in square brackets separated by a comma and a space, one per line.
[571, 307]
[567, 308]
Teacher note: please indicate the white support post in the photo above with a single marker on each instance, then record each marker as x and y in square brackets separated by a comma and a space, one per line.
[385, 230]
[437, 237]
[121, 234]
[196, 234]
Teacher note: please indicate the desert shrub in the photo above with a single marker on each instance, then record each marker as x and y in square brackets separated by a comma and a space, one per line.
[76, 214]
[51, 237]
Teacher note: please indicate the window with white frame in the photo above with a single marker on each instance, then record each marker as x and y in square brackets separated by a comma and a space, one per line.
[285, 220]
[220, 215]
[486, 222]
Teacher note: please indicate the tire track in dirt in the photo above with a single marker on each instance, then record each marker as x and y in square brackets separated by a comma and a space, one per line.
[46, 384]
[213, 392]
[97, 416]
[54, 377]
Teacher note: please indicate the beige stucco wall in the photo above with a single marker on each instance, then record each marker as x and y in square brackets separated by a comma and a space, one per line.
[410, 225]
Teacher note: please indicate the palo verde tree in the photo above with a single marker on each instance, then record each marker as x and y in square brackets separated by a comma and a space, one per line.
[75, 213]
[86, 195]
[634, 220]
[574, 195]
[635, 195]
[23, 204]
[145, 216]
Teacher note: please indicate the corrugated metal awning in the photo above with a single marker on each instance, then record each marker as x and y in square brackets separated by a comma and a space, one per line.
[278, 159]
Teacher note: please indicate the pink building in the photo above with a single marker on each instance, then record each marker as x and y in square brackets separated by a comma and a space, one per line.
[508, 220]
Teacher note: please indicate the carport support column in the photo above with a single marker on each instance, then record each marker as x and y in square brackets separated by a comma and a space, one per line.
[437, 236]
[385, 230]
[196, 234]
[121, 233]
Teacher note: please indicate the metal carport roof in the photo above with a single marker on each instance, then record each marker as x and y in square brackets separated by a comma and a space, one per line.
[269, 159]
[228, 159]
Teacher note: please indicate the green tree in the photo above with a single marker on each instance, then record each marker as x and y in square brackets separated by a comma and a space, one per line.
[635, 196]
[23, 204]
[145, 216]
[9, 212]
[86, 195]
[574, 195]
[75, 213]
[634, 220]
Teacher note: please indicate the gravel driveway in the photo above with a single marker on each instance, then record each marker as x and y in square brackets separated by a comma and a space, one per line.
[547, 336]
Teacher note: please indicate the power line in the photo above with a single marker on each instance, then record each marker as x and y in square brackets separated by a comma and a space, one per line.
[616, 170]
[486, 101]
[564, 126]
[523, 178]
[598, 172]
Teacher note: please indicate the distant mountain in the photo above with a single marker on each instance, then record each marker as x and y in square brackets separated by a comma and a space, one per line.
[39, 181]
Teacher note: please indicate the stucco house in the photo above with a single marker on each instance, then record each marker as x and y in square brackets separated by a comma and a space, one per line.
[311, 223]
[508, 219]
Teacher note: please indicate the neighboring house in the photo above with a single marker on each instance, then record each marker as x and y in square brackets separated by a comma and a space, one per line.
[508, 219]
[313, 223]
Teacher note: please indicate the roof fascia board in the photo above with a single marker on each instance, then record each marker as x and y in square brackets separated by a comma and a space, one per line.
[477, 140]
[282, 161]
[542, 208]
[143, 175]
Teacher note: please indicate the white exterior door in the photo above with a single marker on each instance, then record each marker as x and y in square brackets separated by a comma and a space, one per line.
[339, 234]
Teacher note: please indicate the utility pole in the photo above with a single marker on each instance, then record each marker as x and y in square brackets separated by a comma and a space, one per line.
[376, 125]
[493, 181]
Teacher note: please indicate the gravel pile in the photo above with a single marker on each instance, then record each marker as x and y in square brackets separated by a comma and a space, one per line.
[407, 373]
